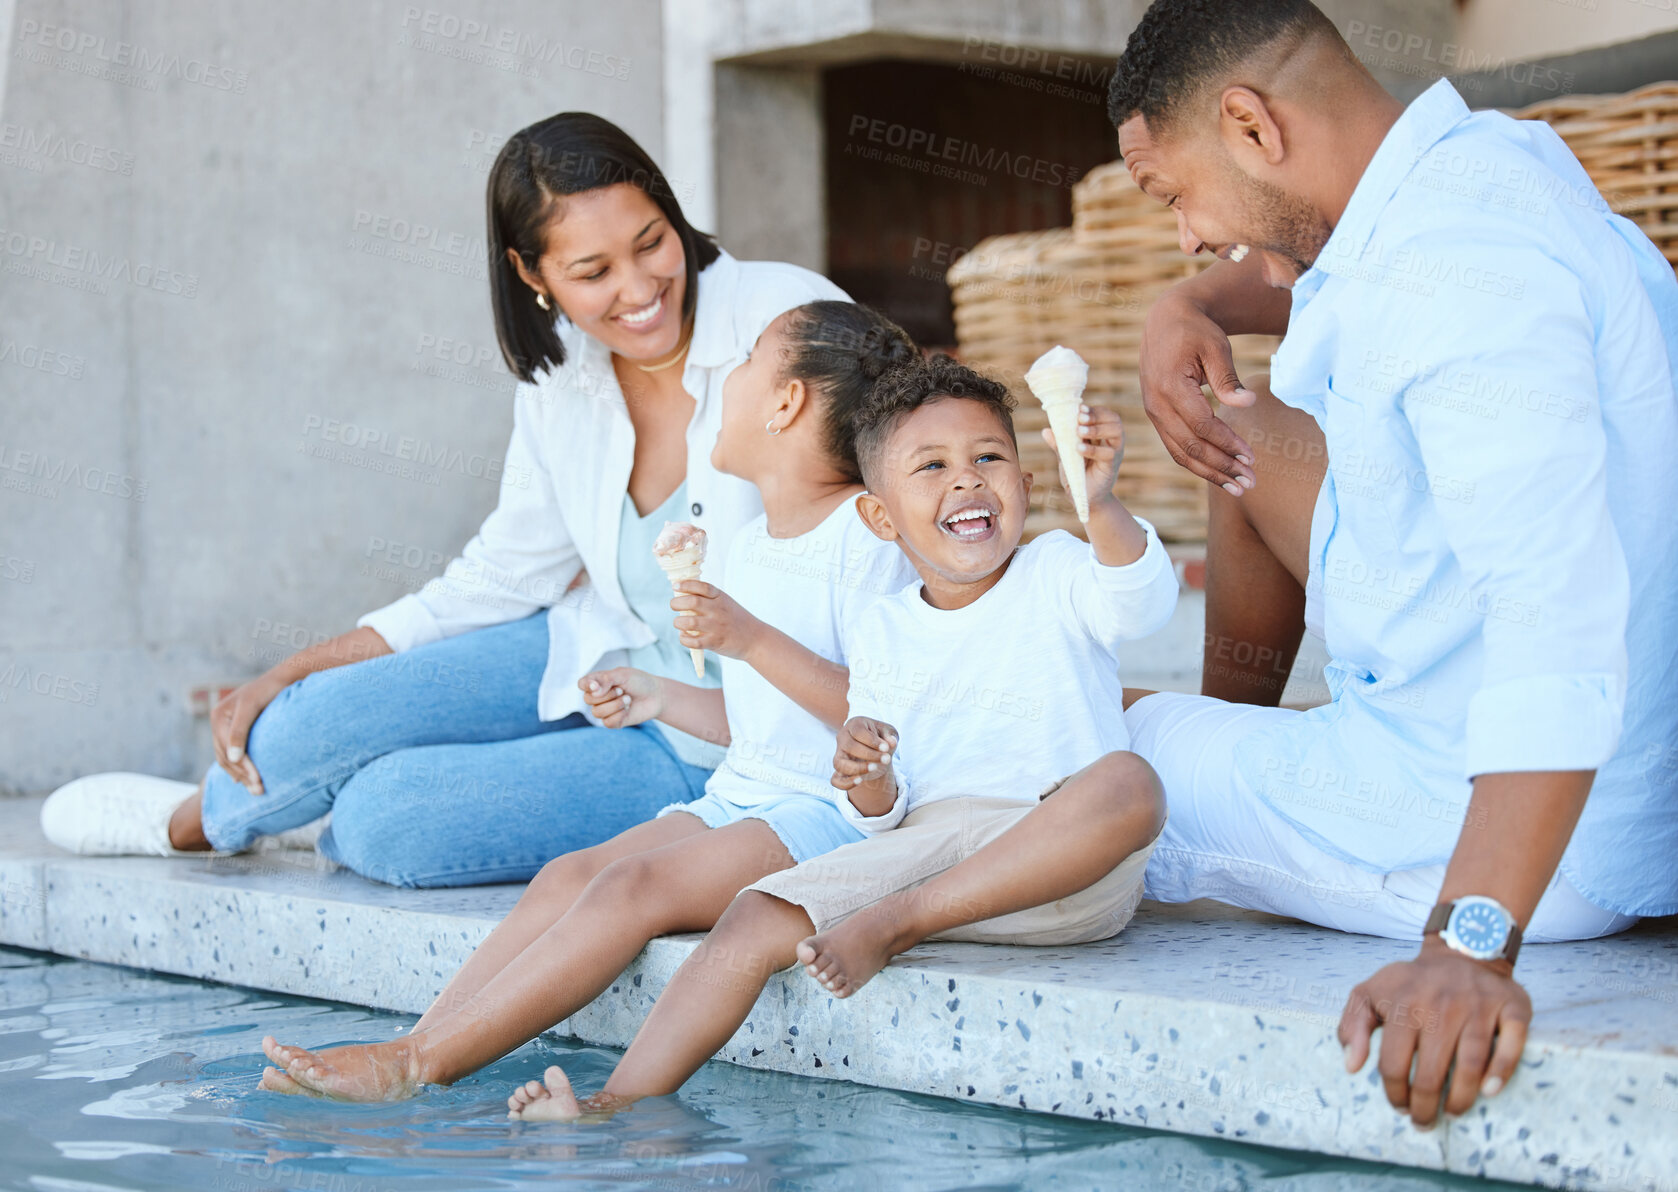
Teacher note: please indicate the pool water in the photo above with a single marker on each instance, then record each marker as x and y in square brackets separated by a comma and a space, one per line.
[113, 1078]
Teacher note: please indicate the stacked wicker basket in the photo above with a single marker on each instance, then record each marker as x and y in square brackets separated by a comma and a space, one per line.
[1628, 144]
[1090, 286]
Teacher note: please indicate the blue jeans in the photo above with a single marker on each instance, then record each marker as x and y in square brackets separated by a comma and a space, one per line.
[437, 769]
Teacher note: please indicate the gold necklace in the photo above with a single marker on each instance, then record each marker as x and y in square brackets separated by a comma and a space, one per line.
[673, 361]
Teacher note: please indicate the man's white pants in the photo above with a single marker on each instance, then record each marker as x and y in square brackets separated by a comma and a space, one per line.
[1222, 841]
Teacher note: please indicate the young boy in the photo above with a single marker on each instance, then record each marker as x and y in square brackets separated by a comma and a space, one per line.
[975, 695]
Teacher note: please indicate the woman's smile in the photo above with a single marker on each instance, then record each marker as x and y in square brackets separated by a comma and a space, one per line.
[642, 319]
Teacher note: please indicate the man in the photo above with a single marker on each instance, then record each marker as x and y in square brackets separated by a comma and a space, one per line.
[1461, 476]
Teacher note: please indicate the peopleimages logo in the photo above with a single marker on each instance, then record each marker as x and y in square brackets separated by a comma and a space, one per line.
[33, 35]
[33, 255]
[29, 147]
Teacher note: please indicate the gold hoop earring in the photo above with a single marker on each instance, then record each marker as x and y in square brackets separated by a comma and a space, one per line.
[542, 301]
[769, 424]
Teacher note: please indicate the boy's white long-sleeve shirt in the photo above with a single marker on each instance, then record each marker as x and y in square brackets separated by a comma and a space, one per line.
[1007, 696]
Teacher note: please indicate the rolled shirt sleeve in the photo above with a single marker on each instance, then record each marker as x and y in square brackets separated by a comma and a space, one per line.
[1535, 540]
[522, 558]
[873, 824]
[1114, 605]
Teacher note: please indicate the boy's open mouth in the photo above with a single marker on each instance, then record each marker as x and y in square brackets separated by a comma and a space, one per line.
[970, 523]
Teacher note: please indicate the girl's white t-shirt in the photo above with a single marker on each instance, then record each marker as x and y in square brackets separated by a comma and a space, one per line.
[808, 587]
[1018, 690]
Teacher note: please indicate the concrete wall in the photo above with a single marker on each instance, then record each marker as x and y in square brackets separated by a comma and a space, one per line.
[1548, 28]
[229, 234]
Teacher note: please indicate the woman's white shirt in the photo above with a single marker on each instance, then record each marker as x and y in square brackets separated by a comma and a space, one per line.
[562, 487]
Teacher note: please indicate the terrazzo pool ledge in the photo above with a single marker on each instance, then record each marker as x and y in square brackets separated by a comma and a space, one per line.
[1199, 1019]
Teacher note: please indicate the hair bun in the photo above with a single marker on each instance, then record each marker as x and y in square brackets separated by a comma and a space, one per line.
[882, 353]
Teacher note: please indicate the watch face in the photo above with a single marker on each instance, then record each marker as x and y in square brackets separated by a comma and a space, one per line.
[1481, 928]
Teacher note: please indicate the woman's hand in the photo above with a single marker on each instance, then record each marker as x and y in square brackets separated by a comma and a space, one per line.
[231, 719]
[230, 726]
[862, 765]
[623, 696]
[708, 619]
[864, 754]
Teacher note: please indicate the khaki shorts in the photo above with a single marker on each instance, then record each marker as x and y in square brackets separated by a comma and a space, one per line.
[937, 837]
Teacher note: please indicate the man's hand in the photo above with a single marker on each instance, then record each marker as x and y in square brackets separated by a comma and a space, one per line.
[1183, 349]
[1101, 443]
[710, 620]
[1438, 1008]
[623, 696]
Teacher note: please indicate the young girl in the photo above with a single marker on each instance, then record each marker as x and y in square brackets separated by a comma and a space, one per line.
[794, 573]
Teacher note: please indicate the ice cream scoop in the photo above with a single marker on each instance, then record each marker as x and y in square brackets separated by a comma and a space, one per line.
[1057, 380]
[680, 551]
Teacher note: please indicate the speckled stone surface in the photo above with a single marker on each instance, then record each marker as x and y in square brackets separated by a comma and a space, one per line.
[1198, 1019]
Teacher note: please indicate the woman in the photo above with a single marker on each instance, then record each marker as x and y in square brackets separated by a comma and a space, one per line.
[445, 733]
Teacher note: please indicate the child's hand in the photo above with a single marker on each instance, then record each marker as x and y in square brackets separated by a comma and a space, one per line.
[623, 695]
[710, 620]
[1102, 446]
[864, 755]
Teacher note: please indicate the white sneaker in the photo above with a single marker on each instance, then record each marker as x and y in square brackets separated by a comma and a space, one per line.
[116, 815]
[302, 838]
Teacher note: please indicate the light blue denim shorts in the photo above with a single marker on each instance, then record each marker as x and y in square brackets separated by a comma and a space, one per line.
[808, 825]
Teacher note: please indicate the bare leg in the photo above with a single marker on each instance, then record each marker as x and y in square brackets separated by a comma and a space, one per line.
[1073, 839]
[683, 886]
[550, 894]
[701, 1008]
[186, 826]
[1257, 550]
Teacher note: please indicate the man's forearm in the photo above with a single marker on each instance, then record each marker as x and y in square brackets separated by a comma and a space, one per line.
[1237, 298]
[1517, 828]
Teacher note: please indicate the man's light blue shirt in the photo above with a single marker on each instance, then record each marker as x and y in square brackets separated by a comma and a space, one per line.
[1490, 353]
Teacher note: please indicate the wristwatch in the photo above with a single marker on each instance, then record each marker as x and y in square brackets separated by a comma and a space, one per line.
[1478, 927]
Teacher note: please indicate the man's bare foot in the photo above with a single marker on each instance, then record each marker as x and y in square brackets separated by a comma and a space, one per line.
[186, 825]
[551, 1100]
[364, 1072]
[847, 955]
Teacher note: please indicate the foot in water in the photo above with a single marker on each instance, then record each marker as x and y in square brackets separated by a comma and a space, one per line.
[547, 1100]
[363, 1072]
[551, 1100]
[847, 955]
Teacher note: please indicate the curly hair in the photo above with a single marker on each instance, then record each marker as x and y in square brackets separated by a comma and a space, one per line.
[902, 390]
[1182, 45]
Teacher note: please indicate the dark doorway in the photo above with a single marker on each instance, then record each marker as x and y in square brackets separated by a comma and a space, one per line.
[924, 160]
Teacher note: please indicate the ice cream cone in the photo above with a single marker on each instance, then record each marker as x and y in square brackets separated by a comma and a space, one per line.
[680, 551]
[1057, 380]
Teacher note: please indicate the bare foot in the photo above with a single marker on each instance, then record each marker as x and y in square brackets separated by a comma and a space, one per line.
[276, 1081]
[547, 1100]
[847, 955]
[364, 1072]
[551, 1100]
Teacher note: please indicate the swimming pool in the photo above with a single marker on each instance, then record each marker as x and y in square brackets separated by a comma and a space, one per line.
[113, 1078]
